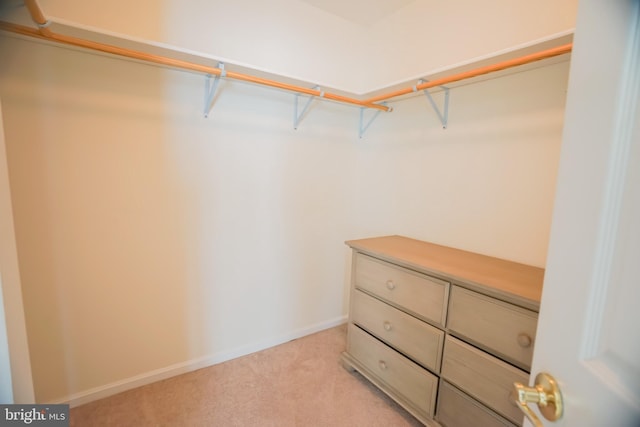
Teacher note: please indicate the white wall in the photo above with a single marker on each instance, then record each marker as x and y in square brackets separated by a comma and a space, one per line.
[484, 184]
[429, 35]
[150, 236]
[152, 240]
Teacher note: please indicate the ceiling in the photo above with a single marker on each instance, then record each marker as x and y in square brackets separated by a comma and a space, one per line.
[362, 12]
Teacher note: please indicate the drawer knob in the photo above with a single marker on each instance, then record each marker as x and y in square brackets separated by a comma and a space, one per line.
[382, 364]
[524, 340]
[390, 285]
[387, 326]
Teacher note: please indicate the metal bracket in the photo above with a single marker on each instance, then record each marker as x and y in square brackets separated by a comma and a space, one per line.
[442, 115]
[363, 127]
[210, 89]
[297, 118]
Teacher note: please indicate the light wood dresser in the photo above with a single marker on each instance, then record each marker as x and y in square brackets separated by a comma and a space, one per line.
[443, 332]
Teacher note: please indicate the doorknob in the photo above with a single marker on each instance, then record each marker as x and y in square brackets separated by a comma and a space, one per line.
[545, 393]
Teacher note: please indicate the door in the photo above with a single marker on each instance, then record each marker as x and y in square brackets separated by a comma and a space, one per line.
[589, 327]
[6, 386]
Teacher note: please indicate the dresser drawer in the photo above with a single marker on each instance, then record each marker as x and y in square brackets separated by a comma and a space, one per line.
[507, 330]
[456, 409]
[416, 339]
[414, 383]
[424, 296]
[483, 376]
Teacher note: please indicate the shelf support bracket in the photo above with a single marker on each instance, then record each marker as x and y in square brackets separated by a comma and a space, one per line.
[297, 118]
[211, 88]
[443, 114]
[363, 127]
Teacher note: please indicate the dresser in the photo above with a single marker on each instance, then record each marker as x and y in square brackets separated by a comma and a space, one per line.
[443, 332]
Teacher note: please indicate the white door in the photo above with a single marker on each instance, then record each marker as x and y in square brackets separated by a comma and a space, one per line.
[6, 386]
[589, 329]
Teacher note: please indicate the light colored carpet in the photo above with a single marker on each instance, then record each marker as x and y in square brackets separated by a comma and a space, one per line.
[299, 383]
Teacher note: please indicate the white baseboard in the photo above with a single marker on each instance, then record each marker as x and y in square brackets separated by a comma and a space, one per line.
[101, 392]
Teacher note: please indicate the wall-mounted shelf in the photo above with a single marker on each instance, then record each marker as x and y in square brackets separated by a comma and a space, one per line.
[554, 48]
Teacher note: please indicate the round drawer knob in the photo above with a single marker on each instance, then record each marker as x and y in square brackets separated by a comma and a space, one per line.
[524, 340]
[382, 364]
[390, 285]
[387, 326]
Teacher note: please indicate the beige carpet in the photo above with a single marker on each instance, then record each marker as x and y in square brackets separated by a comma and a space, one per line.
[300, 383]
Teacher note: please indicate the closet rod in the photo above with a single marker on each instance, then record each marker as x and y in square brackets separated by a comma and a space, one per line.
[549, 53]
[43, 32]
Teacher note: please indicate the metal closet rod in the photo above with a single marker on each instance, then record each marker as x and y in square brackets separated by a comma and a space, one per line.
[43, 32]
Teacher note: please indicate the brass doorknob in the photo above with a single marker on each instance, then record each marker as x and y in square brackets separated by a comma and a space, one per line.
[545, 393]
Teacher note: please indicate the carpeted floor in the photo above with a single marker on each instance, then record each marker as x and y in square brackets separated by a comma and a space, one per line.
[300, 383]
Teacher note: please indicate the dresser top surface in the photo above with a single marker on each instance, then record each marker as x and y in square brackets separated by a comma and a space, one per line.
[517, 283]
